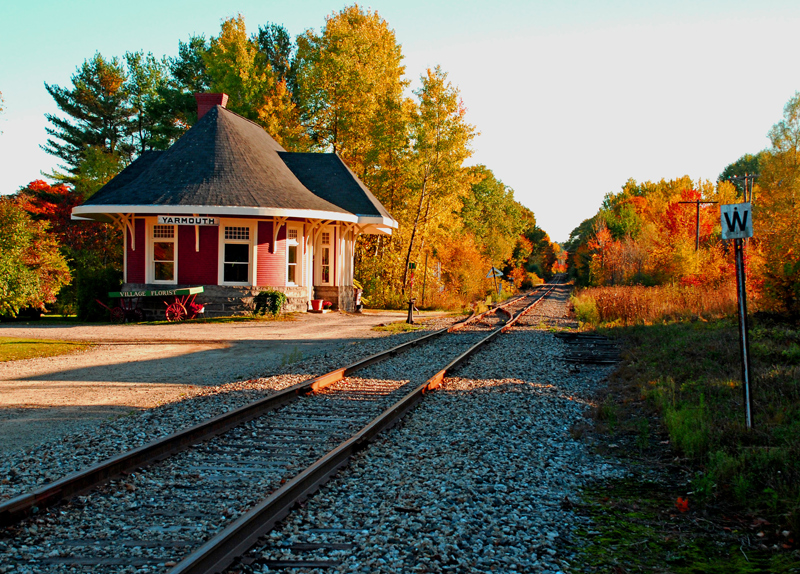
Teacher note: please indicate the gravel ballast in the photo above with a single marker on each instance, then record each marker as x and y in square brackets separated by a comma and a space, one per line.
[24, 470]
[480, 478]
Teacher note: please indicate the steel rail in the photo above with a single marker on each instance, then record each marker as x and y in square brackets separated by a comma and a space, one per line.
[19, 507]
[513, 320]
[222, 550]
[501, 307]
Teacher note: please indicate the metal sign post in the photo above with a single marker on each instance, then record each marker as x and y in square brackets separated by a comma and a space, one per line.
[495, 272]
[737, 224]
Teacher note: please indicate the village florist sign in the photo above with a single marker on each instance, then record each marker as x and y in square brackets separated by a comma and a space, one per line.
[187, 220]
[157, 292]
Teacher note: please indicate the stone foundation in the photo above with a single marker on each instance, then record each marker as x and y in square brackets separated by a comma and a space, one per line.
[341, 297]
[219, 301]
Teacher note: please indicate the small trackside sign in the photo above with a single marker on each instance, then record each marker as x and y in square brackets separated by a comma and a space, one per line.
[737, 221]
[494, 272]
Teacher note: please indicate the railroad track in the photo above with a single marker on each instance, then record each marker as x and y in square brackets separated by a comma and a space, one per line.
[228, 481]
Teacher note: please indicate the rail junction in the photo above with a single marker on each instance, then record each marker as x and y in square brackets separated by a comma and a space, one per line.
[198, 500]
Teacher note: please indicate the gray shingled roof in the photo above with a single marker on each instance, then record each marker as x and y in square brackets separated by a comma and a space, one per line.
[224, 160]
[327, 176]
[128, 174]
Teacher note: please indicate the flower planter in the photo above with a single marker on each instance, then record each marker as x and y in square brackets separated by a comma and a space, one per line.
[316, 304]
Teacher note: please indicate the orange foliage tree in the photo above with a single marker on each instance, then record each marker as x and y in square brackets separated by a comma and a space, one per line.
[645, 235]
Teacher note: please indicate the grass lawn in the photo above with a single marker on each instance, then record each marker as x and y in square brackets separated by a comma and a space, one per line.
[12, 349]
[397, 327]
[704, 494]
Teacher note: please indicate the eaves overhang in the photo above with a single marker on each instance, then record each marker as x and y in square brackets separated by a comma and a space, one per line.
[99, 212]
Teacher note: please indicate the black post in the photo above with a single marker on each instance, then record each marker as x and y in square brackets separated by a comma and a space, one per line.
[744, 345]
[697, 221]
[697, 229]
[424, 279]
[410, 319]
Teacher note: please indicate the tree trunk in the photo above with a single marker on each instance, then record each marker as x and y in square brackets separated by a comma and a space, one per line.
[414, 231]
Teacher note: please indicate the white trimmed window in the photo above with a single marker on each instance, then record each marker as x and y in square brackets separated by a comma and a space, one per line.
[293, 269]
[165, 247]
[325, 258]
[236, 250]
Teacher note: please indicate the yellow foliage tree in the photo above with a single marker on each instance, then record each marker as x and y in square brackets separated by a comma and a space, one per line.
[237, 67]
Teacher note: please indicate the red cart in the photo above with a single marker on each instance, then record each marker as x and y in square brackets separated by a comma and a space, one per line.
[130, 304]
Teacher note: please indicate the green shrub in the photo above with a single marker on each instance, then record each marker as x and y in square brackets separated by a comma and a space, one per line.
[688, 427]
[92, 285]
[585, 310]
[269, 302]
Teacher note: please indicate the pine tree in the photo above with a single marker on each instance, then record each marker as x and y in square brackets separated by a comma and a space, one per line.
[99, 115]
[147, 79]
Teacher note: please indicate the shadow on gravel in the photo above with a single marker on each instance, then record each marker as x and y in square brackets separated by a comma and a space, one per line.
[236, 360]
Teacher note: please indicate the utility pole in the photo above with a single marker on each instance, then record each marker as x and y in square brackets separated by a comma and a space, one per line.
[749, 180]
[697, 225]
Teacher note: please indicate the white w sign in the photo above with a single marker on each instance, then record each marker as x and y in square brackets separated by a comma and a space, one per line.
[737, 221]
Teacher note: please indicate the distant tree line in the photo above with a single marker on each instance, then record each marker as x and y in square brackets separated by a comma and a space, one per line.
[644, 235]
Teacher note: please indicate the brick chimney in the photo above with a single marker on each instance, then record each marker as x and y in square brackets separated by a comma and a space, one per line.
[207, 101]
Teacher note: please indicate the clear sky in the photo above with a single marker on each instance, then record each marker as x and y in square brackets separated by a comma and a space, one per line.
[571, 98]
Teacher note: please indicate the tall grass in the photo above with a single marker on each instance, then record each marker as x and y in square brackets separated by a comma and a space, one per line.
[690, 372]
[637, 305]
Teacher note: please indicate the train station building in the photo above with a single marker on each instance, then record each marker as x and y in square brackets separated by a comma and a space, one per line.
[227, 208]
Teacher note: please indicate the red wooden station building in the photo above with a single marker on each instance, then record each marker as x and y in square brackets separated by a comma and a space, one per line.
[227, 208]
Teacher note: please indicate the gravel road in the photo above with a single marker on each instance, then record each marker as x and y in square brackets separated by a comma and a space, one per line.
[135, 367]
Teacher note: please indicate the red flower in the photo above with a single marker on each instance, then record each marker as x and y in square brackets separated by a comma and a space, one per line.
[682, 504]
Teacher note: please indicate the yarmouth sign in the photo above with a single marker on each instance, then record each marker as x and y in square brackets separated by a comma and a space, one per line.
[187, 220]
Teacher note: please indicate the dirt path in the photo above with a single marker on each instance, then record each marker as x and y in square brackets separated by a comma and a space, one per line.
[141, 366]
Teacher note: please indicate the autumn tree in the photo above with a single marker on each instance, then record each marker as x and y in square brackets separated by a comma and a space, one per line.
[440, 143]
[645, 235]
[350, 88]
[490, 212]
[236, 66]
[86, 244]
[777, 211]
[32, 270]
[90, 248]
[542, 256]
